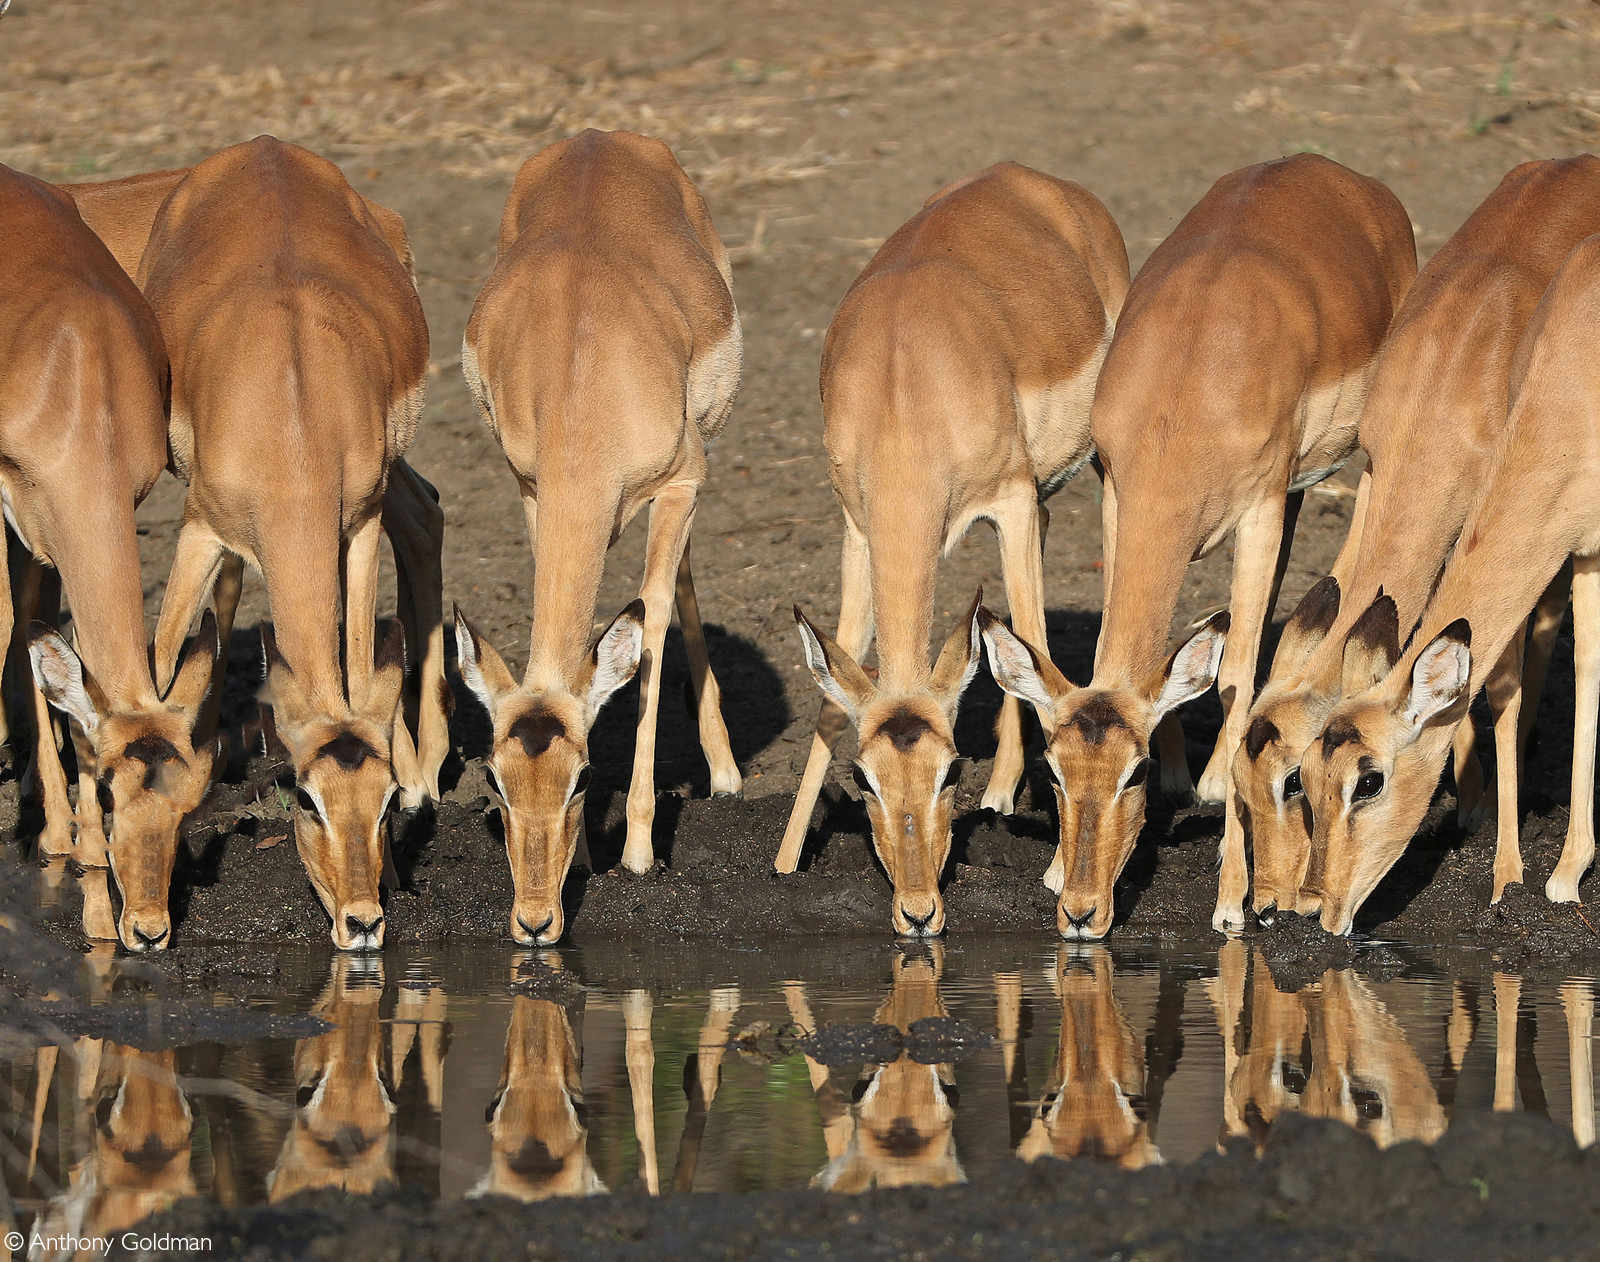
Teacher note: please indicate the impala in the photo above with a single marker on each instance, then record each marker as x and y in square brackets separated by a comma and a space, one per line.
[604, 354]
[83, 437]
[299, 354]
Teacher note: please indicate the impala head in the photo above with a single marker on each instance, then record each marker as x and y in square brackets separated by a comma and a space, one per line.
[1099, 759]
[152, 769]
[904, 1114]
[539, 763]
[1266, 767]
[1370, 775]
[342, 1135]
[907, 768]
[1095, 1105]
[344, 781]
[538, 1123]
[142, 1122]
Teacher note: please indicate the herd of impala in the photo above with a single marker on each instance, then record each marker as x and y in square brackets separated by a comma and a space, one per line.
[253, 324]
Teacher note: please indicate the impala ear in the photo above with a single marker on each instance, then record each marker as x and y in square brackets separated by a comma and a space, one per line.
[616, 656]
[1022, 670]
[1193, 666]
[59, 673]
[482, 669]
[1372, 647]
[1307, 627]
[958, 660]
[1440, 677]
[838, 674]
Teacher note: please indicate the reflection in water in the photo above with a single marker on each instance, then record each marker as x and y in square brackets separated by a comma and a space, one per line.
[1330, 1050]
[94, 1136]
[342, 1134]
[900, 1128]
[137, 1156]
[538, 1123]
[1095, 1105]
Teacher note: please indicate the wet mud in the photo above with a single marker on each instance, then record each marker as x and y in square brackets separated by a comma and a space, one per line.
[1496, 1188]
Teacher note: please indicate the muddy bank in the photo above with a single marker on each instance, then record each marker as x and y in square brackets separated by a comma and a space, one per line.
[1491, 1188]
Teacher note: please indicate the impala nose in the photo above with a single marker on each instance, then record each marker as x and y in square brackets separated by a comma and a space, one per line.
[144, 940]
[1076, 925]
[918, 925]
[535, 932]
[365, 933]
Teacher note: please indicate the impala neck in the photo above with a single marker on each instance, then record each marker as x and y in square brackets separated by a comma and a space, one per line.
[575, 526]
[1152, 558]
[904, 555]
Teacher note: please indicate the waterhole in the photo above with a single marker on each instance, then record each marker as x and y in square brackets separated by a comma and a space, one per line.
[675, 1069]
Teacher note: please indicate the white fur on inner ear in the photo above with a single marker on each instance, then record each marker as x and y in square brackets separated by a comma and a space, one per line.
[1011, 663]
[616, 658]
[817, 663]
[1438, 679]
[59, 674]
[1193, 670]
[467, 664]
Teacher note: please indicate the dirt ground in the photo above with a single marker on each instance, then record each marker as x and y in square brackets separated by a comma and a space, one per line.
[814, 129]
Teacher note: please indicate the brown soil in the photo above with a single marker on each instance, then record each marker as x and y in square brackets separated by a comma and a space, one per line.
[815, 128]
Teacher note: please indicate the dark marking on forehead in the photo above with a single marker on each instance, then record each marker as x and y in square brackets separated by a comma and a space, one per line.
[536, 730]
[154, 752]
[348, 750]
[904, 728]
[1097, 717]
[1261, 733]
[1339, 732]
[902, 1139]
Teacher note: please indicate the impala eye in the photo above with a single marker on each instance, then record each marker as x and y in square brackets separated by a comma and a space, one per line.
[1139, 774]
[582, 783]
[1291, 785]
[494, 780]
[305, 802]
[303, 1096]
[1369, 786]
[952, 776]
[862, 782]
[103, 795]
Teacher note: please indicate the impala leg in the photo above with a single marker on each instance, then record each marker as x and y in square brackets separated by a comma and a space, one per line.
[1022, 561]
[1472, 801]
[1507, 995]
[1578, 853]
[415, 523]
[91, 850]
[194, 572]
[708, 1058]
[1345, 563]
[1261, 554]
[1254, 569]
[640, 1053]
[707, 696]
[51, 778]
[854, 634]
[1577, 999]
[670, 517]
[1227, 993]
[1542, 630]
[361, 606]
[1504, 688]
